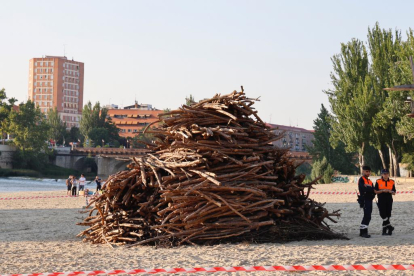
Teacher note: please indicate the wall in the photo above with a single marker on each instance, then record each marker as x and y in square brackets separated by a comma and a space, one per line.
[6, 155]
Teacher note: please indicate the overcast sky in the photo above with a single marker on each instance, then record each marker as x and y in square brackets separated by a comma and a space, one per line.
[159, 52]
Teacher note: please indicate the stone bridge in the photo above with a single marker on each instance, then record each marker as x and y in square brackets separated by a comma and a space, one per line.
[108, 160]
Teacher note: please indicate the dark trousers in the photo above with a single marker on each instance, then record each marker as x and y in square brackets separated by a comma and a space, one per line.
[74, 190]
[385, 207]
[367, 212]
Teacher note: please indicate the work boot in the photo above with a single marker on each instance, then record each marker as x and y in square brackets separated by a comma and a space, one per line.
[364, 233]
[390, 229]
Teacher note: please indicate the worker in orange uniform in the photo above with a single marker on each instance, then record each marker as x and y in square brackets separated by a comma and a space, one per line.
[385, 189]
[366, 190]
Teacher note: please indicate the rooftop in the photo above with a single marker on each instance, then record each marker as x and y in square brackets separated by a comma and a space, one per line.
[288, 128]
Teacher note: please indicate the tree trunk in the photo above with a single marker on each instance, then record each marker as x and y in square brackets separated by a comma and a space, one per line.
[382, 159]
[361, 157]
[395, 160]
[391, 162]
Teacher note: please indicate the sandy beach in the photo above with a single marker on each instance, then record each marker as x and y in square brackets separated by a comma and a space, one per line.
[39, 235]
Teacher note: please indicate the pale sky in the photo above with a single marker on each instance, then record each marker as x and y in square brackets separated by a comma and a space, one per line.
[159, 52]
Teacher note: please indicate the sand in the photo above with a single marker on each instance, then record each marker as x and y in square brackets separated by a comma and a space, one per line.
[39, 235]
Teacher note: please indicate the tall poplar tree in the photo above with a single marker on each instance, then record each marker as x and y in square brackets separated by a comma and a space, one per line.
[353, 99]
[387, 53]
[57, 129]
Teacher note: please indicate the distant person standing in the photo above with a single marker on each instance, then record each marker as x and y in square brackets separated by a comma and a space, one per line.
[82, 181]
[69, 185]
[385, 189]
[366, 190]
[74, 185]
[98, 182]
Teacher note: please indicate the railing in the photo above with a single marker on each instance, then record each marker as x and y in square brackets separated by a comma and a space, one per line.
[110, 151]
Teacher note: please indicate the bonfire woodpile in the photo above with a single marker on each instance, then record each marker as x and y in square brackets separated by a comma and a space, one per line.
[212, 176]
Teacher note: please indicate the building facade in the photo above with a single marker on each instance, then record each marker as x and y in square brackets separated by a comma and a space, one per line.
[57, 82]
[294, 138]
[131, 120]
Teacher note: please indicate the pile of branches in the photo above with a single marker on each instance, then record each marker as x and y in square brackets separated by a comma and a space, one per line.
[213, 175]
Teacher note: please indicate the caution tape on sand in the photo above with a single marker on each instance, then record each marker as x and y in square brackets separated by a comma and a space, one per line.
[226, 269]
[353, 193]
[312, 193]
[31, 197]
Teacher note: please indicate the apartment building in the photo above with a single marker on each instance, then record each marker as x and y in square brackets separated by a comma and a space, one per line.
[294, 138]
[131, 120]
[57, 82]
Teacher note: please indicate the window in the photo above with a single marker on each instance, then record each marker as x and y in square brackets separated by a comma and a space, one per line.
[41, 63]
[129, 130]
[35, 63]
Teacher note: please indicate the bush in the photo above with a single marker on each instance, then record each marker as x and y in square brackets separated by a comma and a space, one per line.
[106, 146]
[29, 160]
[98, 146]
[322, 168]
[305, 169]
[116, 144]
[327, 174]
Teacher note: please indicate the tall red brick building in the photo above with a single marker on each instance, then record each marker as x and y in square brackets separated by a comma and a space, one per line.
[57, 82]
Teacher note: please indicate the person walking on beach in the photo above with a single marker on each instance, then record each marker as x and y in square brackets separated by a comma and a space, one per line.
[98, 182]
[366, 190]
[69, 185]
[74, 185]
[82, 181]
[385, 189]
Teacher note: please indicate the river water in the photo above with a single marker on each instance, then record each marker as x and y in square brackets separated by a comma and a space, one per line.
[23, 184]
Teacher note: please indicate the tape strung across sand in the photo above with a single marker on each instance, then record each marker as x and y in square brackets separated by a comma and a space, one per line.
[227, 269]
[314, 193]
[31, 197]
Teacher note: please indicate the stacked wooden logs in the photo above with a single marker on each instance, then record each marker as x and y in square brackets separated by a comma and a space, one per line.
[212, 176]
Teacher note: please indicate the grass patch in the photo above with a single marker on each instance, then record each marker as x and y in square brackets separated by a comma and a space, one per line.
[19, 172]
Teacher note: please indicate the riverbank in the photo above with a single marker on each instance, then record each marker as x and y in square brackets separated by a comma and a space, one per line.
[39, 235]
[50, 171]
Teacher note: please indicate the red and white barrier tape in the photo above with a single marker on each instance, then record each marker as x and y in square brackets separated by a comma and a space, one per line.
[312, 193]
[31, 197]
[352, 193]
[227, 269]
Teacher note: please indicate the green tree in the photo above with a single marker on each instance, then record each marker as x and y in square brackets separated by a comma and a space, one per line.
[95, 117]
[337, 157]
[6, 106]
[386, 51]
[189, 100]
[57, 128]
[99, 135]
[353, 99]
[30, 131]
[408, 158]
[75, 135]
[92, 117]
